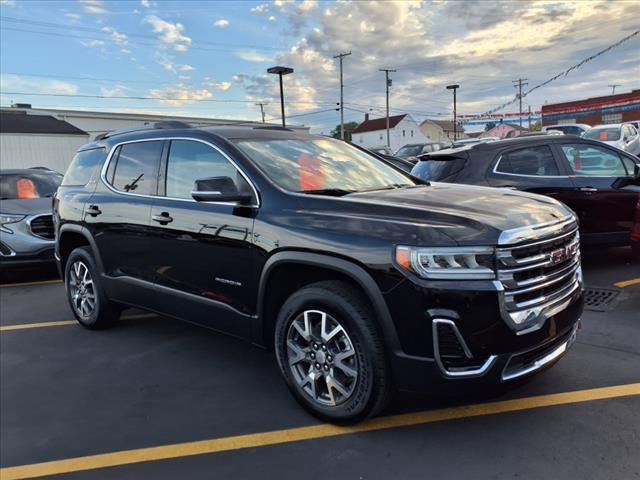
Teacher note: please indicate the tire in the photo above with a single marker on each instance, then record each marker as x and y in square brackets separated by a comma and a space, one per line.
[85, 294]
[353, 381]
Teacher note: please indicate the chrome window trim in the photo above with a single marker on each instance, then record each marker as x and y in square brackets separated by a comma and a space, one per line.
[31, 219]
[468, 373]
[105, 167]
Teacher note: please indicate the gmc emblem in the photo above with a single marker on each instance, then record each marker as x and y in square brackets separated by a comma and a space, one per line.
[562, 254]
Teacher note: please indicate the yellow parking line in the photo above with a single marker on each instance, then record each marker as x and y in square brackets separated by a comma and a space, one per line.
[29, 284]
[24, 326]
[278, 437]
[627, 283]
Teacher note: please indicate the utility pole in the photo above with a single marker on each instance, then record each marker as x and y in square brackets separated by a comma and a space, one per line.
[388, 84]
[613, 88]
[261, 110]
[529, 117]
[455, 113]
[341, 56]
[519, 83]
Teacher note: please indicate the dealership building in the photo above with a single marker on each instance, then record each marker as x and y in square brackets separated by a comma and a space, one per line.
[41, 137]
[622, 107]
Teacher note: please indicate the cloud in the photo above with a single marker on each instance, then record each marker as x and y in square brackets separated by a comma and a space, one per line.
[239, 78]
[117, 37]
[8, 3]
[185, 68]
[222, 23]
[170, 33]
[262, 8]
[272, 18]
[73, 17]
[115, 91]
[253, 56]
[18, 83]
[145, 3]
[92, 43]
[180, 95]
[94, 7]
[223, 86]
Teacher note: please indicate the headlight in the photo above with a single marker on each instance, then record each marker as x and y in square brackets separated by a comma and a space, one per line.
[448, 263]
[5, 219]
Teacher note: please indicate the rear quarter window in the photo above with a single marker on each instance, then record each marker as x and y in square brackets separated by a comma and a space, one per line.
[83, 166]
[438, 168]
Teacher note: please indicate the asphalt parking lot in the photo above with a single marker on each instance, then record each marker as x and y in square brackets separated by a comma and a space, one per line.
[157, 398]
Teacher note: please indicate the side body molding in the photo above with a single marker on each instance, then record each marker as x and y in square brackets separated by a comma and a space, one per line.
[345, 267]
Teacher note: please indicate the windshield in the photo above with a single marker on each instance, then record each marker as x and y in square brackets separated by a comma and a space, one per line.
[409, 151]
[35, 184]
[319, 164]
[603, 134]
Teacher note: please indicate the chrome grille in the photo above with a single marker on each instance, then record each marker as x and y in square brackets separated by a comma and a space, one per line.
[538, 277]
[42, 226]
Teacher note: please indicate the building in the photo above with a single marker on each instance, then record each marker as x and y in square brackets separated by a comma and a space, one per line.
[38, 141]
[403, 129]
[50, 137]
[622, 107]
[441, 131]
[504, 130]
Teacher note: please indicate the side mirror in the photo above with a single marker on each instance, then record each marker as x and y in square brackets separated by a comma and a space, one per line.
[218, 189]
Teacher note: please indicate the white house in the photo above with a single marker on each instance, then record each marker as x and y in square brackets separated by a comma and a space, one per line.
[402, 130]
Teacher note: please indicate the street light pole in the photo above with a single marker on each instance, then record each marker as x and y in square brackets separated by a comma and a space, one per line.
[388, 84]
[455, 120]
[280, 71]
[341, 56]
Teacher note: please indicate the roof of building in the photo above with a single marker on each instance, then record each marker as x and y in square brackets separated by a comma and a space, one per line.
[379, 124]
[22, 123]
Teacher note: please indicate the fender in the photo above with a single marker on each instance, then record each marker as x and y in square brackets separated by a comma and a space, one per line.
[350, 269]
[75, 228]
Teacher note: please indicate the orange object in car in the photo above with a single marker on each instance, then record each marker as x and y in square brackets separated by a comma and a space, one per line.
[577, 161]
[311, 174]
[26, 188]
[604, 136]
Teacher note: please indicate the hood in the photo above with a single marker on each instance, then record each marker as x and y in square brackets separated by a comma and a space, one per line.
[466, 214]
[26, 206]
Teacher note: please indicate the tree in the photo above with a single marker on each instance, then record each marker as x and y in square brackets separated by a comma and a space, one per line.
[349, 127]
[536, 127]
[488, 126]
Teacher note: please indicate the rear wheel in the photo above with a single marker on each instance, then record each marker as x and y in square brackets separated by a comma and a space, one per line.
[331, 354]
[86, 297]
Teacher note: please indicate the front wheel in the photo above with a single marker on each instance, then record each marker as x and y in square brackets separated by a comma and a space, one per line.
[87, 299]
[331, 353]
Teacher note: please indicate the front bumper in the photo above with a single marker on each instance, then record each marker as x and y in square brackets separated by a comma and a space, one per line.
[21, 248]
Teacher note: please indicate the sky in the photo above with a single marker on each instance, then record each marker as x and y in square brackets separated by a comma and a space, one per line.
[209, 58]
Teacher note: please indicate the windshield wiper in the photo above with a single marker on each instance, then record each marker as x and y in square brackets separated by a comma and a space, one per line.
[391, 186]
[334, 192]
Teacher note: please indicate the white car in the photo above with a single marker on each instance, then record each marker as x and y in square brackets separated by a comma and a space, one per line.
[620, 135]
[568, 128]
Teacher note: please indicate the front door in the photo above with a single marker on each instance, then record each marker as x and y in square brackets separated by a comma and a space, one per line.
[606, 212]
[203, 255]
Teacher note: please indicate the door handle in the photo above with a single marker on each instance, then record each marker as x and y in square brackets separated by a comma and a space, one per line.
[588, 189]
[163, 218]
[93, 210]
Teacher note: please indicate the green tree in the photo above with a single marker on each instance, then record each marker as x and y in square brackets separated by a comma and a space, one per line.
[489, 125]
[536, 127]
[349, 127]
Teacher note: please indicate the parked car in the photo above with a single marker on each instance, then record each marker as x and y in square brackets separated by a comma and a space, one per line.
[359, 276]
[586, 175]
[620, 135]
[636, 124]
[635, 232]
[26, 226]
[568, 128]
[413, 150]
[472, 141]
[383, 150]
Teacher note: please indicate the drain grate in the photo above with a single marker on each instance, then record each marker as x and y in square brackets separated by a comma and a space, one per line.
[599, 299]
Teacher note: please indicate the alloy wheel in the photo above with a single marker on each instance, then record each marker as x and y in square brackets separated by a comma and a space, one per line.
[322, 358]
[81, 289]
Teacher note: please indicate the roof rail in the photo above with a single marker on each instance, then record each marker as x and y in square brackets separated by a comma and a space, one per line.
[273, 127]
[164, 125]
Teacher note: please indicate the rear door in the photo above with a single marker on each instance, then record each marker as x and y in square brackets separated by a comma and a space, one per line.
[202, 250]
[606, 212]
[533, 169]
[118, 216]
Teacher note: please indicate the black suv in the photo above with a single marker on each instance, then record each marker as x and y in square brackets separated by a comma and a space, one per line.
[360, 277]
[598, 182]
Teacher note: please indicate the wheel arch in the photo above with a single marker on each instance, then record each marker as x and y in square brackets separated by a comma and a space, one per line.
[70, 237]
[316, 267]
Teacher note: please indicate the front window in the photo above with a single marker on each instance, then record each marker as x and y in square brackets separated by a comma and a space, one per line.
[36, 184]
[603, 134]
[320, 165]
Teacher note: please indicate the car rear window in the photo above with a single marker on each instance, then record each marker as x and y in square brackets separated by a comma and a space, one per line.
[83, 166]
[14, 186]
[603, 134]
[438, 169]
